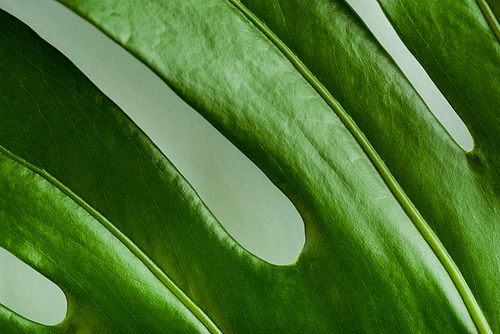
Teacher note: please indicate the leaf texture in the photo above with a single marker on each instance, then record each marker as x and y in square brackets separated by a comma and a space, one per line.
[464, 62]
[364, 266]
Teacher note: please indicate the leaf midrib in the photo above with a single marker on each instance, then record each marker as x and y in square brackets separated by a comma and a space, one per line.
[429, 236]
[157, 272]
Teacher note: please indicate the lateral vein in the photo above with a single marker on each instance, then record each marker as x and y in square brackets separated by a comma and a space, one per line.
[490, 17]
[429, 236]
[183, 298]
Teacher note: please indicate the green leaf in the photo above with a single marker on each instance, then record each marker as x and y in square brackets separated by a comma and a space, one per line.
[457, 42]
[394, 210]
[55, 117]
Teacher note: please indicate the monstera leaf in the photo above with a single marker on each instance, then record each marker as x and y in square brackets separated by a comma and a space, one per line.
[401, 224]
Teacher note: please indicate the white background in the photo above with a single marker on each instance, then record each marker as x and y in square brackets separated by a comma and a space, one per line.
[253, 211]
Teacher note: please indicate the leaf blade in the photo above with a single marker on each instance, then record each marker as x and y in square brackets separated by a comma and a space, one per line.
[132, 47]
[9, 187]
[79, 282]
[302, 264]
[417, 219]
[463, 62]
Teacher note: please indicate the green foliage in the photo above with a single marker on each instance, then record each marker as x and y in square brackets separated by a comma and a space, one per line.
[401, 224]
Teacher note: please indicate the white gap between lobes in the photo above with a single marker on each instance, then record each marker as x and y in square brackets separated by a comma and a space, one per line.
[243, 199]
[29, 293]
[371, 13]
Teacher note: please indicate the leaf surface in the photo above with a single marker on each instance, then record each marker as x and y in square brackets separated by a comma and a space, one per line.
[62, 122]
[457, 42]
[365, 264]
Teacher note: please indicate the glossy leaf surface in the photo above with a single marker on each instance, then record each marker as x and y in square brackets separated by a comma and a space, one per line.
[279, 91]
[457, 42]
